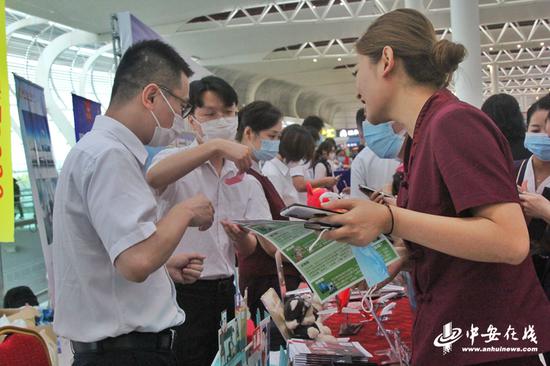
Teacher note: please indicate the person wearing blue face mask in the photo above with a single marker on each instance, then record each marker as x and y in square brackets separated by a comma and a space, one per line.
[385, 139]
[260, 126]
[533, 180]
[374, 165]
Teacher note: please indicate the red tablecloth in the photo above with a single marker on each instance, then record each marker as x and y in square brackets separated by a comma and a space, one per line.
[402, 319]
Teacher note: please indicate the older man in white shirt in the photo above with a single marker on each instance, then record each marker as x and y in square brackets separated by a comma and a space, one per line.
[368, 168]
[114, 298]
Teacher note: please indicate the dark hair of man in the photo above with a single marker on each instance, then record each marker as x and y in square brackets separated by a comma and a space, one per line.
[259, 116]
[296, 144]
[543, 103]
[360, 117]
[19, 296]
[144, 63]
[215, 84]
[315, 134]
[315, 122]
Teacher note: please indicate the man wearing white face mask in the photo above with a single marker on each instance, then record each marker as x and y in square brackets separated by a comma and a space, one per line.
[376, 164]
[214, 165]
[109, 247]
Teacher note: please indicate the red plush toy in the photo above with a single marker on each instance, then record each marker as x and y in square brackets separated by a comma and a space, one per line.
[317, 196]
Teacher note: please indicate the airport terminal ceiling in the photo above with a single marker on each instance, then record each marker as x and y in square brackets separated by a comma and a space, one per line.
[297, 53]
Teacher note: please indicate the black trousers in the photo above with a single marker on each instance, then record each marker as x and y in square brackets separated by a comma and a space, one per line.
[125, 358]
[197, 339]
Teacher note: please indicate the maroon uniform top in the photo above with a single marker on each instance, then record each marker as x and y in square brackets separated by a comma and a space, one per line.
[260, 263]
[458, 160]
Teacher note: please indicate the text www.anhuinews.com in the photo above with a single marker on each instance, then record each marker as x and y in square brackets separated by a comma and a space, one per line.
[499, 349]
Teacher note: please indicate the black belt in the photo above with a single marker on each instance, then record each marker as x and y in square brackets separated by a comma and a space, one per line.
[163, 341]
[218, 285]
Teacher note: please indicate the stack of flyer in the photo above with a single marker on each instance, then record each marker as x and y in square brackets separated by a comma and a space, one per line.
[303, 352]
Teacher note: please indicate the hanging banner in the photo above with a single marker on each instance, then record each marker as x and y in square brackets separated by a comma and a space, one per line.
[84, 111]
[37, 143]
[132, 30]
[6, 179]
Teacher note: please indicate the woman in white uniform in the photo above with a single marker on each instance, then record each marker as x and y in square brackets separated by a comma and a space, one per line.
[533, 178]
[296, 145]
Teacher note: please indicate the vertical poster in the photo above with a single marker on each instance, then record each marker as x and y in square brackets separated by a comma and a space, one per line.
[6, 181]
[37, 143]
[84, 111]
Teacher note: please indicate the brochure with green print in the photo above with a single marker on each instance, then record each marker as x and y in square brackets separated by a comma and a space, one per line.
[329, 267]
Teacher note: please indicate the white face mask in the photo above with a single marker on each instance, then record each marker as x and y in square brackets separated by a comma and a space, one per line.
[221, 128]
[332, 156]
[165, 136]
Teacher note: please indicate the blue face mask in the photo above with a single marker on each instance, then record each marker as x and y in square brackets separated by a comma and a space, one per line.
[268, 150]
[383, 140]
[538, 144]
[371, 264]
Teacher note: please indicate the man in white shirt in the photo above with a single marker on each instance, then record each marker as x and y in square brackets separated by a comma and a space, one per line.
[217, 169]
[367, 168]
[114, 298]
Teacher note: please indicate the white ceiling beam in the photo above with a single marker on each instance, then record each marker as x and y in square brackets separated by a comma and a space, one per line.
[205, 43]
[380, 6]
[327, 9]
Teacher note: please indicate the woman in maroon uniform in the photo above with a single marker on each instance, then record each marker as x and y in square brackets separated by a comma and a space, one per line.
[458, 207]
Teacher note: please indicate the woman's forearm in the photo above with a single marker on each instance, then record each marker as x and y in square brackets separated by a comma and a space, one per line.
[496, 234]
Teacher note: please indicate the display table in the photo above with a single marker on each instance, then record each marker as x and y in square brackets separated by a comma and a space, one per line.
[402, 319]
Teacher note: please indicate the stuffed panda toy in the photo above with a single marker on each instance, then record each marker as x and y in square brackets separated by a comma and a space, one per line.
[301, 320]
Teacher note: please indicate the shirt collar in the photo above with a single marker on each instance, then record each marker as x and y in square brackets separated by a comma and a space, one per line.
[529, 175]
[256, 167]
[433, 104]
[281, 166]
[123, 134]
[229, 167]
